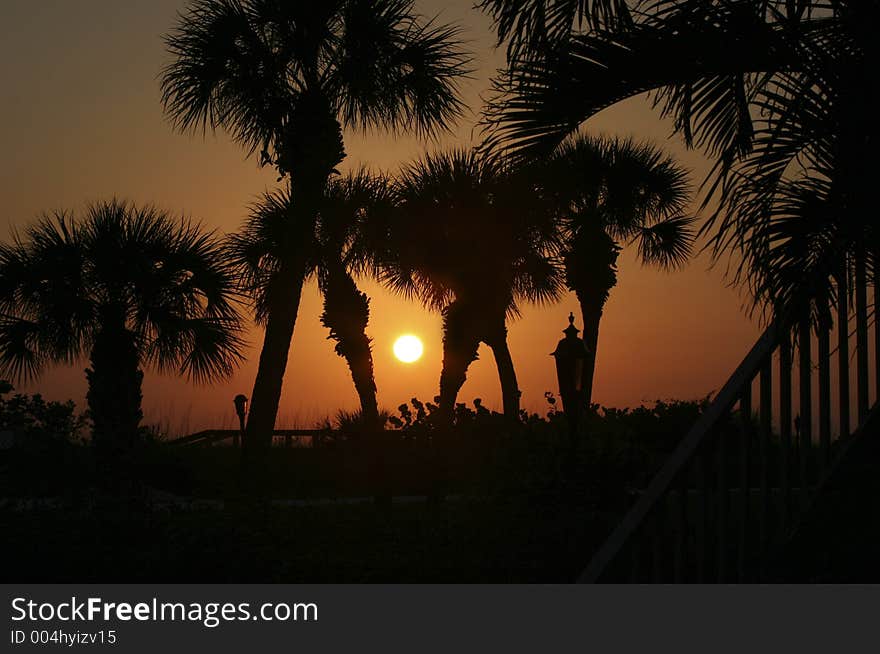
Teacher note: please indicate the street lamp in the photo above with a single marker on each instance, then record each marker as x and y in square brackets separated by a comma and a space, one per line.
[240, 402]
[570, 355]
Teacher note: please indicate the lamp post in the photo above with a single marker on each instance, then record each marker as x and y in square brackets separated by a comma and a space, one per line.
[240, 402]
[570, 355]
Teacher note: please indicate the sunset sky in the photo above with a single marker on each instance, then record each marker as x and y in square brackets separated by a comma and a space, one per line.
[81, 121]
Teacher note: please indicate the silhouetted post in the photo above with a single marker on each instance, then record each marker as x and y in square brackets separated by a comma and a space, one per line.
[570, 355]
[240, 402]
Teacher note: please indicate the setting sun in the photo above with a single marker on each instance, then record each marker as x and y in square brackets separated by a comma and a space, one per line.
[408, 348]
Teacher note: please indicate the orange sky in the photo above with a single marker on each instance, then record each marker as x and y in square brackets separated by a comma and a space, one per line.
[81, 121]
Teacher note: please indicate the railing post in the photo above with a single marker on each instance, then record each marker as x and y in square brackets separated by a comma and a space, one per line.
[876, 280]
[843, 350]
[704, 496]
[681, 540]
[635, 559]
[824, 353]
[657, 523]
[766, 393]
[784, 427]
[805, 369]
[745, 485]
[861, 292]
[723, 501]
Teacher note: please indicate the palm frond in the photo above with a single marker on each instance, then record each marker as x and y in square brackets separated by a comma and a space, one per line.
[667, 244]
[699, 60]
[396, 70]
[534, 26]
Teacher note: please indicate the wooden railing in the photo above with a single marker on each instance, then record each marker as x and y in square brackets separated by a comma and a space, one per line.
[733, 490]
[286, 437]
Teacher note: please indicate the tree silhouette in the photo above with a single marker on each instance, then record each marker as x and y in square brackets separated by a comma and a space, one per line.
[283, 78]
[332, 250]
[128, 287]
[470, 239]
[703, 59]
[612, 191]
[774, 91]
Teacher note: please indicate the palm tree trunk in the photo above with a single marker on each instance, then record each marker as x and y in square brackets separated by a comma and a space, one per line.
[591, 311]
[114, 389]
[506, 373]
[591, 272]
[346, 315]
[270, 372]
[460, 345]
[309, 160]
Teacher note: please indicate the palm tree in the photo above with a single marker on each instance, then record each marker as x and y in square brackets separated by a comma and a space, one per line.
[335, 249]
[612, 192]
[284, 78]
[128, 287]
[704, 60]
[773, 90]
[470, 240]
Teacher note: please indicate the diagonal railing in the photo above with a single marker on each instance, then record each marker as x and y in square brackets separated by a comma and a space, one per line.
[734, 488]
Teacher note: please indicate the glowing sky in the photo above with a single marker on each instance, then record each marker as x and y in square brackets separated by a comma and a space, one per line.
[81, 120]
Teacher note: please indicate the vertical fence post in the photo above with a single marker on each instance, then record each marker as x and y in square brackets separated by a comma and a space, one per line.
[745, 485]
[806, 404]
[705, 513]
[766, 393]
[723, 502]
[657, 533]
[681, 540]
[843, 350]
[824, 353]
[784, 428]
[876, 284]
[861, 292]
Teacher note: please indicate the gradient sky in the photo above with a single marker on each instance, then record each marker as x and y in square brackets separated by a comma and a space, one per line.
[81, 121]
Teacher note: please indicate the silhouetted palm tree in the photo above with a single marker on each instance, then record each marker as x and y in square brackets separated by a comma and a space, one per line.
[535, 27]
[470, 239]
[704, 59]
[128, 287]
[612, 192]
[800, 204]
[332, 250]
[773, 90]
[284, 78]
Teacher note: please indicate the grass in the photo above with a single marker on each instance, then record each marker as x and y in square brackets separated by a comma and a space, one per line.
[529, 539]
[515, 516]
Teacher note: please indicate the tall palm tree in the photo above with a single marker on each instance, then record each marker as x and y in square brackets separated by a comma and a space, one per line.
[284, 78]
[128, 287]
[612, 192]
[334, 250]
[469, 239]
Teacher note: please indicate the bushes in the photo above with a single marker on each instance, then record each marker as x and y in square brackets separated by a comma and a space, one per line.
[485, 453]
[41, 453]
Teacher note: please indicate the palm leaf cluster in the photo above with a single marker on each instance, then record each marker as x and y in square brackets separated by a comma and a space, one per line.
[276, 75]
[607, 194]
[126, 287]
[163, 279]
[774, 90]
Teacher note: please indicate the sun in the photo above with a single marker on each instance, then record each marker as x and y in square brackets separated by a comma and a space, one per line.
[408, 348]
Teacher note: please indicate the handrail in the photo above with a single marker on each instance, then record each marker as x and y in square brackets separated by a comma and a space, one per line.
[681, 456]
[734, 490]
[208, 436]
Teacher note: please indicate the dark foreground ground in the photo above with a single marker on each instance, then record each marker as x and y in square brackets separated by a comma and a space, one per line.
[540, 539]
